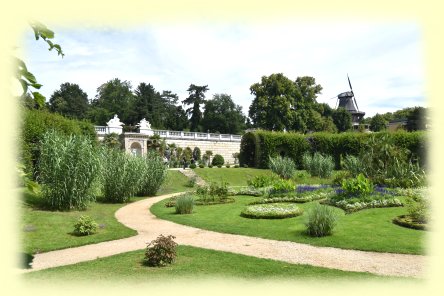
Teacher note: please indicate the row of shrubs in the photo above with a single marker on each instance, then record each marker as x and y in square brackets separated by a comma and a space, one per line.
[73, 171]
[257, 147]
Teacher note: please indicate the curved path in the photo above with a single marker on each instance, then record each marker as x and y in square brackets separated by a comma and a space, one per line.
[137, 216]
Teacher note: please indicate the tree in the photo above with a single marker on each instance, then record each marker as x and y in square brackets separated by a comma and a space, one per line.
[196, 98]
[26, 79]
[148, 104]
[223, 116]
[177, 119]
[342, 119]
[378, 123]
[417, 119]
[70, 100]
[271, 108]
[114, 97]
[307, 92]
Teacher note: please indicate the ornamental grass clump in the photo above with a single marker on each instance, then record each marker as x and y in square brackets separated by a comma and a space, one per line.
[318, 165]
[320, 221]
[121, 175]
[69, 167]
[184, 204]
[85, 226]
[161, 251]
[152, 173]
[282, 166]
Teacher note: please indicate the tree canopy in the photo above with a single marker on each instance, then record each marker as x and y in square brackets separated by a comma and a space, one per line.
[223, 115]
[70, 100]
[195, 99]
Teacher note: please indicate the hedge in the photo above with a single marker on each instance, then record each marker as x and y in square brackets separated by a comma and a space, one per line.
[36, 122]
[258, 146]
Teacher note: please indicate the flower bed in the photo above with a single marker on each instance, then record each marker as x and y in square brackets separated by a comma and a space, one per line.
[409, 222]
[271, 211]
[171, 202]
[355, 204]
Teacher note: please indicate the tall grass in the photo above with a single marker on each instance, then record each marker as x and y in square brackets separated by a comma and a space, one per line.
[184, 204]
[321, 221]
[354, 165]
[153, 174]
[68, 166]
[282, 166]
[318, 165]
[121, 175]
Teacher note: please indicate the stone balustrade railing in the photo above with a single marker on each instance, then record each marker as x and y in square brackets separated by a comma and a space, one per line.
[102, 130]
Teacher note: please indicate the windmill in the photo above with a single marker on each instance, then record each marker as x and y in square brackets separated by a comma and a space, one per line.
[347, 101]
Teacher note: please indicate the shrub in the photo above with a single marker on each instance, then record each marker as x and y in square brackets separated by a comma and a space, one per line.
[69, 166]
[85, 226]
[152, 173]
[353, 165]
[196, 153]
[318, 165]
[357, 186]
[121, 175]
[210, 166]
[282, 186]
[284, 167]
[219, 166]
[191, 182]
[227, 166]
[219, 190]
[418, 209]
[340, 176]
[161, 251]
[193, 166]
[320, 221]
[184, 204]
[236, 166]
[201, 166]
[261, 181]
[245, 165]
[271, 211]
[218, 160]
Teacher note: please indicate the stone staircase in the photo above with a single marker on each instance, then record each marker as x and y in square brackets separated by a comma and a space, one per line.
[189, 173]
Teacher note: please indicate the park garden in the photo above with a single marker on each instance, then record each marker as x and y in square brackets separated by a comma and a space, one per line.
[351, 191]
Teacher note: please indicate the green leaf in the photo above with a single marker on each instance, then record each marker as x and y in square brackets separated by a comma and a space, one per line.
[29, 76]
[24, 85]
[39, 98]
[36, 85]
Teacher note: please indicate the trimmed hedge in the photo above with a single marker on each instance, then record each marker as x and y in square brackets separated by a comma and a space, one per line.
[36, 122]
[258, 146]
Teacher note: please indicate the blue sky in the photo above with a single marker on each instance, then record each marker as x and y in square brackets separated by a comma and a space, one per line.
[384, 60]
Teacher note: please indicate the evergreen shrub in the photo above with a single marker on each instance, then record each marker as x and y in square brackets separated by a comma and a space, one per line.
[218, 160]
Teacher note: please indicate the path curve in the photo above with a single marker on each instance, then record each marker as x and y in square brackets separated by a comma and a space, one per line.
[137, 216]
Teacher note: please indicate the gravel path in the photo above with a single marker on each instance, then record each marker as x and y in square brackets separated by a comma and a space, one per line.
[137, 216]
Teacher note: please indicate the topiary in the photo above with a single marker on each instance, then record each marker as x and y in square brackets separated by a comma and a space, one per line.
[218, 160]
[161, 251]
[192, 166]
[201, 166]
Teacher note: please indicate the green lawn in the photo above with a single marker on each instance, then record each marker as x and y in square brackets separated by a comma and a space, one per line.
[43, 230]
[370, 230]
[234, 176]
[194, 264]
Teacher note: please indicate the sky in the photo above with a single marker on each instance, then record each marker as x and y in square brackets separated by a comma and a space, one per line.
[384, 60]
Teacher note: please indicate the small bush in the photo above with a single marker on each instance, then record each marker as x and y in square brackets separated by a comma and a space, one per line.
[321, 221]
[318, 165]
[245, 165]
[357, 186]
[418, 209]
[262, 181]
[191, 182]
[236, 166]
[227, 166]
[340, 176]
[161, 251]
[184, 204]
[210, 166]
[193, 166]
[282, 187]
[218, 160]
[201, 166]
[219, 166]
[284, 167]
[85, 226]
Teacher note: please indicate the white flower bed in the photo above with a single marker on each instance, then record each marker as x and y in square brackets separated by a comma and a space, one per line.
[271, 211]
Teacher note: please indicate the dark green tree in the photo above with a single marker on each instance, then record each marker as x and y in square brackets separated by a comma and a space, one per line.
[149, 104]
[342, 119]
[378, 123]
[223, 116]
[417, 120]
[195, 99]
[307, 92]
[70, 100]
[114, 97]
[273, 104]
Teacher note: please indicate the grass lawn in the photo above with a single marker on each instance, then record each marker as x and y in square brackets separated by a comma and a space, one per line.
[234, 176]
[43, 230]
[193, 264]
[370, 230]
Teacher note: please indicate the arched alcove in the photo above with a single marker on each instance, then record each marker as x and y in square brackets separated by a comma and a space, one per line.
[136, 149]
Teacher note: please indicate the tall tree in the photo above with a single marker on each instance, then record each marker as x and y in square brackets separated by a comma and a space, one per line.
[149, 104]
[378, 123]
[70, 100]
[342, 119]
[113, 97]
[273, 100]
[417, 119]
[307, 92]
[223, 116]
[195, 99]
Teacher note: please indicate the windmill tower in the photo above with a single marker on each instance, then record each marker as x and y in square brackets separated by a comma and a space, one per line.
[347, 101]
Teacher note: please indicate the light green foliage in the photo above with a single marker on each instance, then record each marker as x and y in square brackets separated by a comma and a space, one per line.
[418, 209]
[191, 181]
[68, 169]
[85, 226]
[353, 165]
[121, 175]
[318, 165]
[112, 141]
[153, 173]
[184, 204]
[359, 186]
[271, 211]
[262, 181]
[282, 166]
[320, 221]
[282, 186]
